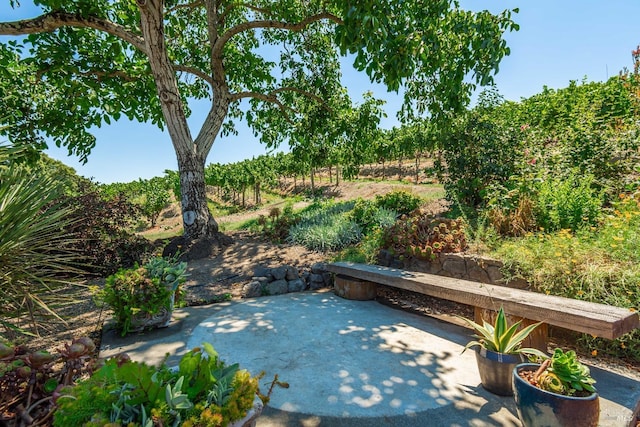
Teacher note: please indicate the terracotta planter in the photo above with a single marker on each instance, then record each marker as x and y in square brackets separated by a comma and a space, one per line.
[538, 408]
[496, 371]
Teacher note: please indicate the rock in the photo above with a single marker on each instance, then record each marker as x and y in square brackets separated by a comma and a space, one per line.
[279, 273]
[277, 287]
[252, 289]
[263, 280]
[292, 273]
[454, 265]
[314, 286]
[477, 274]
[327, 278]
[261, 271]
[296, 285]
[385, 258]
[316, 278]
[318, 268]
[305, 276]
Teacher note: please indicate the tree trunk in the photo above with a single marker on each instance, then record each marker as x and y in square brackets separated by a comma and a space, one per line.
[313, 182]
[196, 218]
[417, 168]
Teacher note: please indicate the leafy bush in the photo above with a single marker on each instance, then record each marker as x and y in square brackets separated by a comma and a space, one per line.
[366, 251]
[480, 150]
[276, 226]
[594, 264]
[368, 215]
[326, 227]
[401, 202]
[101, 227]
[156, 197]
[569, 202]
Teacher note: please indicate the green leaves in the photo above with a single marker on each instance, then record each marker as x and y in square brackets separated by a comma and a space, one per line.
[574, 375]
[36, 258]
[502, 338]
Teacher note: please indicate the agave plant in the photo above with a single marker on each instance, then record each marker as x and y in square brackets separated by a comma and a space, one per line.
[36, 257]
[502, 338]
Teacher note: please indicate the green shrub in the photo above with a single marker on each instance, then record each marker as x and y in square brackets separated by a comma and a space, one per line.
[570, 203]
[480, 150]
[326, 227]
[401, 202]
[155, 198]
[594, 264]
[368, 215]
[366, 251]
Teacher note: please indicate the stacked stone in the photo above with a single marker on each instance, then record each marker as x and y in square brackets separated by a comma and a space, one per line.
[461, 266]
[285, 279]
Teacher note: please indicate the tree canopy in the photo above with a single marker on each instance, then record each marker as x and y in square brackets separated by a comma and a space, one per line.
[84, 63]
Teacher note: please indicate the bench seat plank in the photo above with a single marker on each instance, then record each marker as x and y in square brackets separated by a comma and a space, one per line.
[600, 320]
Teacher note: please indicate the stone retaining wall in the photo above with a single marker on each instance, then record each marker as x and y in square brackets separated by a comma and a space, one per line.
[458, 265]
[284, 279]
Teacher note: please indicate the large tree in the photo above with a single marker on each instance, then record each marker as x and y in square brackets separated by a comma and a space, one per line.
[87, 62]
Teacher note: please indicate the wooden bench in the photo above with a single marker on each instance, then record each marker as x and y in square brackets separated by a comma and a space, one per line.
[599, 320]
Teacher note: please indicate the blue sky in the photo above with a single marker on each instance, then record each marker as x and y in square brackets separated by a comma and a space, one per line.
[558, 41]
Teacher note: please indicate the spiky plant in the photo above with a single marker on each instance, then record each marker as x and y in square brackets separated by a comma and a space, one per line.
[502, 338]
[36, 255]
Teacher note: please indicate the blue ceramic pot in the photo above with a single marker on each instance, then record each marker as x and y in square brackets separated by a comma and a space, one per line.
[540, 408]
[496, 370]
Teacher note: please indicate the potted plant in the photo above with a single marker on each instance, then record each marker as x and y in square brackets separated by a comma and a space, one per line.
[499, 350]
[143, 297]
[201, 391]
[558, 392]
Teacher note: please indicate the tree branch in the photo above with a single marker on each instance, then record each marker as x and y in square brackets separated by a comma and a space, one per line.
[186, 69]
[271, 97]
[266, 98]
[56, 19]
[251, 25]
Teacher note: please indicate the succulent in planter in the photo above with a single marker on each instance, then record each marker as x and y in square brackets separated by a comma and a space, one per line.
[499, 351]
[559, 392]
[201, 391]
[563, 374]
[143, 297]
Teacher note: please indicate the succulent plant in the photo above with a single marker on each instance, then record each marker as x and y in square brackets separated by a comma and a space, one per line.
[564, 374]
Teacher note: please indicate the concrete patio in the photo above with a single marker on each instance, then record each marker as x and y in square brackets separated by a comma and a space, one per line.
[351, 363]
